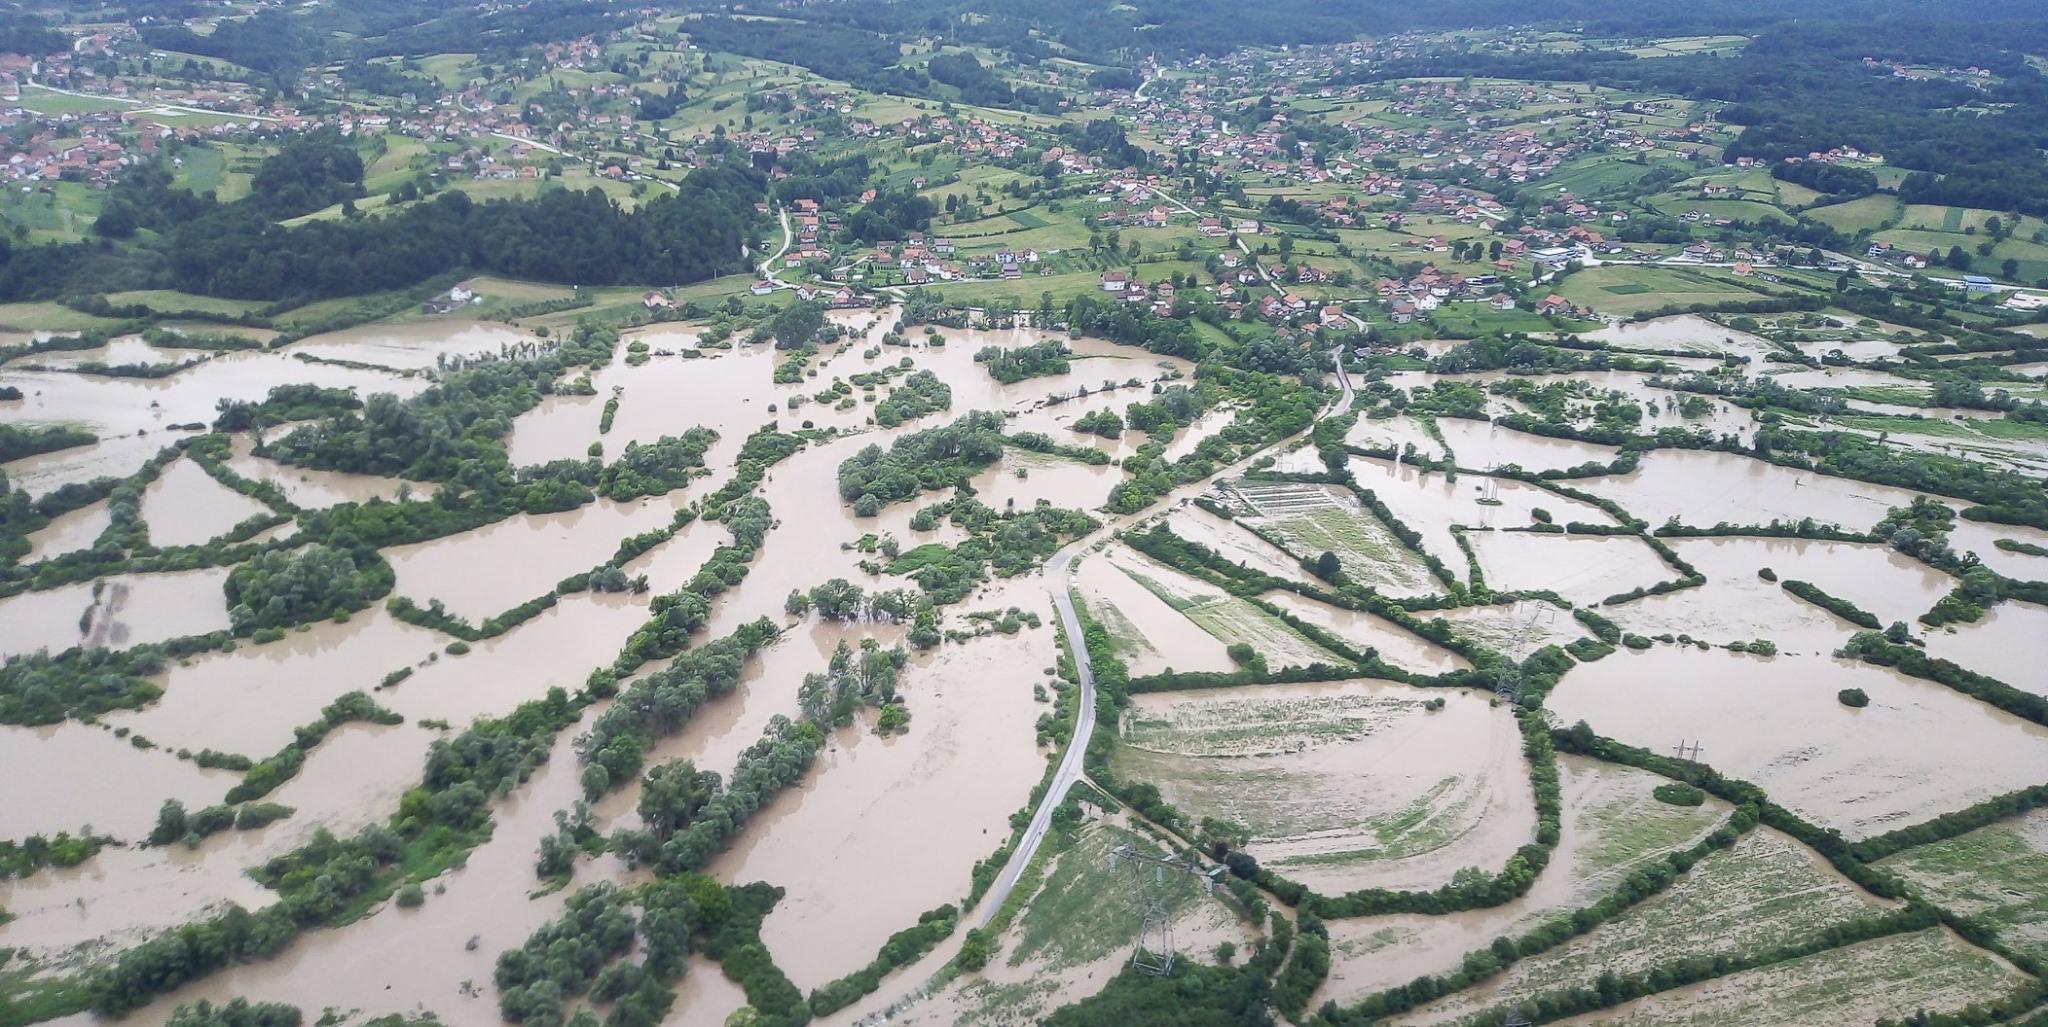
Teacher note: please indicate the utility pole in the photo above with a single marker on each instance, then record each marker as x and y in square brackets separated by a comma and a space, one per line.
[1508, 686]
[1154, 954]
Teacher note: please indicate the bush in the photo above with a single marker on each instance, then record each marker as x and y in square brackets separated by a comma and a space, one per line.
[1678, 793]
[410, 896]
[1854, 698]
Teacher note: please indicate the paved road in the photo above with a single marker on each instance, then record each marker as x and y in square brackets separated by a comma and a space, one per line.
[768, 270]
[1077, 749]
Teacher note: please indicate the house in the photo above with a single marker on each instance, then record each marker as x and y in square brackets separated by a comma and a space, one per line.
[762, 288]
[463, 292]
[1501, 301]
[1115, 281]
[1554, 305]
[1404, 313]
[1333, 316]
[657, 301]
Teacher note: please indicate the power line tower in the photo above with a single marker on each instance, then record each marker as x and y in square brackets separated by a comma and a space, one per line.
[1154, 953]
[1688, 750]
[1508, 686]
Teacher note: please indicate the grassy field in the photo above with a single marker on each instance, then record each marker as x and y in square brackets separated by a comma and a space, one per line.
[1472, 319]
[1997, 873]
[48, 317]
[172, 301]
[1623, 290]
[43, 101]
[64, 214]
[1598, 175]
[1859, 215]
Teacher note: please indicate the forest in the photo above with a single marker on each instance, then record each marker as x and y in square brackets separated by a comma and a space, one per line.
[237, 250]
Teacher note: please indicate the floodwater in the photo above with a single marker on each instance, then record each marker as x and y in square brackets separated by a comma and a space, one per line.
[1430, 503]
[315, 489]
[2009, 643]
[132, 415]
[119, 796]
[413, 345]
[1581, 568]
[1918, 750]
[117, 612]
[248, 701]
[1342, 785]
[905, 818]
[489, 570]
[1736, 604]
[1704, 488]
[415, 960]
[1482, 445]
[184, 506]
[1395, 644]
[70, 532]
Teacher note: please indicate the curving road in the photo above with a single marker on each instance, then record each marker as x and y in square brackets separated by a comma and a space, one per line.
[1069, 771]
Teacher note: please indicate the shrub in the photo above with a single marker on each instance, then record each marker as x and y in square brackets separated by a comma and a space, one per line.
[1678, 793]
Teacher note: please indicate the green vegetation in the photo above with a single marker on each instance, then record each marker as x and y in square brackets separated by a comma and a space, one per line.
[932, 459]
[1016, 363]
[281, 588]
[1842, 608]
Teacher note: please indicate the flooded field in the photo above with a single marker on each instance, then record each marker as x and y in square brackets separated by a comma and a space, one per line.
[1683, 332]
[1998, 873]
[1766, 892]
[1932, 970]
[184, 506]
[498, 566]
[1341, 786]
[1736, 604]
[116, 612]
[958, 772]
[1611, 824]
[1314, 519]
[1918, 750]
[1583, 569]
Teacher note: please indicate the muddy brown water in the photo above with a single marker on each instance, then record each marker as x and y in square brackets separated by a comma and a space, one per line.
[1918, 750]
[68, 533]
[128, 610]
[486, 571]
[966, 762]
[184, 506]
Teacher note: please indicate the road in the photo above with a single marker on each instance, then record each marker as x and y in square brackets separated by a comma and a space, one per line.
[1070, 767]
[768, 269]
[1077, 747]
